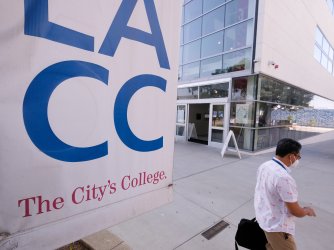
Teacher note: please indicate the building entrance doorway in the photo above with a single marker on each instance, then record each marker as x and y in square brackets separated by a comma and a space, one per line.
[198, 123]
[203, 111]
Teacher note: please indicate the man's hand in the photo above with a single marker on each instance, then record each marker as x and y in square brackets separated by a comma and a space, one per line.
[299, 211]
[309, 211]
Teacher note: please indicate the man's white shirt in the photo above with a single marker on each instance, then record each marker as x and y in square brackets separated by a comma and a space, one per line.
[274, 187]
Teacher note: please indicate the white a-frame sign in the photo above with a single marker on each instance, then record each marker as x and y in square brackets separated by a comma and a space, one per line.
[228, 138]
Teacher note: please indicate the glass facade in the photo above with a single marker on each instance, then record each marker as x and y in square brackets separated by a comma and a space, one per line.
[209, 91]
[264, 110]
[216, 38]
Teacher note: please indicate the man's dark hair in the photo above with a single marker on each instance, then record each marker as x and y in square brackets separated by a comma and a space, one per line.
[287, 146]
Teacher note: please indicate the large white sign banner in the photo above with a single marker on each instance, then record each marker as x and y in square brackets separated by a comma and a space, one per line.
[87, 106]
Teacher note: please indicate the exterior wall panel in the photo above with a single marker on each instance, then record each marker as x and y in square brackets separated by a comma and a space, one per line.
[286, 36]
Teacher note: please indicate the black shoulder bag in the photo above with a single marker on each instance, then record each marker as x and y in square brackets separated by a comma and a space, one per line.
[250, 235]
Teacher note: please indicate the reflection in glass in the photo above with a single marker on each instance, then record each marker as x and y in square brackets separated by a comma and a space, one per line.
[180, 73]
[242, 114]
[244, 137]
[192, 10]
[192, 30]
[190, 71]
[238, 10]
[213, 21]
[213, 91]
[275, 91]
[191, 51]
[187, 93]
[210, 4]
[243, 88]
[271, 115]
[212, 45]
[218, 116]
[238, 60]
[180, 130]
[181, 114]
[211, 66]
[217, 135]
[238, 36]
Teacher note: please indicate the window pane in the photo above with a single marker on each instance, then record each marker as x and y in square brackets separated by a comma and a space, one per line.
[235, 61]
[218, 116]
[192, 30]
[267, 85]
[212, 45]
[180, 73]
[187, 93]
[330, 5]
[244, 138]
[190, 71]
[180, 55]
[180, 130]
[237, 11]
[210, 4]
[331, 53]
[317, 53]
[214, 20]
[274, 115]
[318, 36]
[181, 35]
[192, 10]
[217, 135]
[211, 66]
[238, 36]
[181, 114]
[324, 60]
[213, 91]
[191, 51]
[325, 46]
[242, 114]
[243, 88]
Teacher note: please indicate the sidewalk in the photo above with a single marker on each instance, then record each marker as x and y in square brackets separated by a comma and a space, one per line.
[208, 189]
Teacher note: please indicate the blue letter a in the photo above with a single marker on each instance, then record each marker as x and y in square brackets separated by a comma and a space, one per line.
[36, 23]
[119, 29]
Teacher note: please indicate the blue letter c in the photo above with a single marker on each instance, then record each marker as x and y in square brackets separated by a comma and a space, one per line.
[121, 110]
[35, 107]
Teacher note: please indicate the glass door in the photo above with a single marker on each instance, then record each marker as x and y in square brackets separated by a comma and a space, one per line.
[216, 125]
[181, 115]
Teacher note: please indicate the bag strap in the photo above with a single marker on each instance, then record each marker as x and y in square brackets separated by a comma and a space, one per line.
[236, 245]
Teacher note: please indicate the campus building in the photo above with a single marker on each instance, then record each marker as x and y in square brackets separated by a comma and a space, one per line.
[263, 69]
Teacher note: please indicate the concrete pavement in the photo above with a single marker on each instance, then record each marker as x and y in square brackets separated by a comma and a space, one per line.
[208, 189]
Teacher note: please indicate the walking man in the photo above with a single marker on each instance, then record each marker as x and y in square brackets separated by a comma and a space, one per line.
[276, 197]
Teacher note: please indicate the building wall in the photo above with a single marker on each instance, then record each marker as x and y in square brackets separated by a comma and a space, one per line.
[286, 36]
